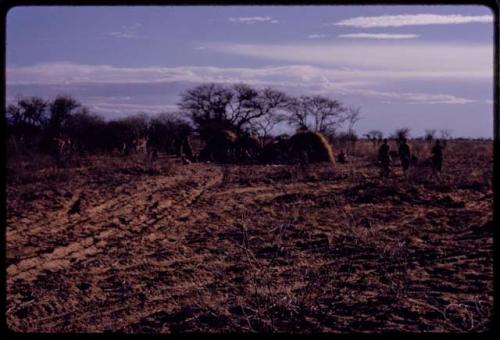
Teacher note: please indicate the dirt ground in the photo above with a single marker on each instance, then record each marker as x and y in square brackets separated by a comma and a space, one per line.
[109, 244]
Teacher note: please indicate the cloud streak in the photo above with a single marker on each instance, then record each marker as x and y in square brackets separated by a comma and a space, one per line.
[429, 58]
[295, 78]
[378, 36]
[317, 36]
[253, 20]
[413, 20]
[414, 98]
[70, 73]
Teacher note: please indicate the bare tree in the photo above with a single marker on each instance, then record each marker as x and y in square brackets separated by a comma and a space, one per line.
[316, 113]
[353, 115]
[138, 124]
[26, 119]
[233, 107]
[61, 110]
[375, 136]
[429, 135]
[87, 131]
[402, 133]
[445, 133]
[31, 111]
[167, 130]
[264, 125]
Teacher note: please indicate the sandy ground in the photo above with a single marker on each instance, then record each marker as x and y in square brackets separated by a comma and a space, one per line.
[109, 245]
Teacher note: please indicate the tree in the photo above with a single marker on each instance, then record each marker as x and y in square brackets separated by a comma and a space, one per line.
[400, 134]
[61, 110]
[31, 111]
[26, 119]
[138, 124]
[375, 136]
[445, 134]
[234, 107]
[353, 115]
[167, 130]
[263, 126]
[87, 131]
[317, 113]
[429, 135]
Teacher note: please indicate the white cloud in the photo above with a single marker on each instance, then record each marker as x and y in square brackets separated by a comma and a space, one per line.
[317, 36]
[473, 60]
[253, 20]
[123, 35]
[413, 20]
[378, 36]
[296, 78]
[413, 98]
[116, 108]
[70, 73]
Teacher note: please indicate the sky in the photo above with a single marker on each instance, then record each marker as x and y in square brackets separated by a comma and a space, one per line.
[421, 67]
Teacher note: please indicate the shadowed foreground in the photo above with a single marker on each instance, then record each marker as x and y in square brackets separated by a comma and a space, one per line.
[107, 244]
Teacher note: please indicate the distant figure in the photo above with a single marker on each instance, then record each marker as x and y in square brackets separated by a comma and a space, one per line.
[437, 158]
[384, 158]
[404, 155]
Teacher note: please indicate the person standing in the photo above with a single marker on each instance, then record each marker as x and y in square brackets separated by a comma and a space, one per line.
[404, 155]
[437, 158]
[384, 158]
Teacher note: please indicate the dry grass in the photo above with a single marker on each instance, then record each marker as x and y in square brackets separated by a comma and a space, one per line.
[166, 247]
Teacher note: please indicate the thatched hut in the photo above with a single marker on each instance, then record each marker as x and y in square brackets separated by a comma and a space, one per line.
[276, 150]
[219, 147]
[310, 147]
[247, 147]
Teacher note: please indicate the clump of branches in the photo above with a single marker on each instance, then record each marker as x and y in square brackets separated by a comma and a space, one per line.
[401, 134]
[317, 113]
[429, 135]
[237, 107]
[375, 136]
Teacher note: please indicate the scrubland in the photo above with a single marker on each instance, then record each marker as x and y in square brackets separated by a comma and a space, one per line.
[114, 244]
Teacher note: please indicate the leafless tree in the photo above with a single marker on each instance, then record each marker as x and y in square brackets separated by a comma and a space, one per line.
[374, 135]
[264, 125]
[317, 113]
[402, 133]
[26, 118]
[353, 115]
[429, 135]
[445, 134]
[60, 110]
[233, 107]
[31, 111]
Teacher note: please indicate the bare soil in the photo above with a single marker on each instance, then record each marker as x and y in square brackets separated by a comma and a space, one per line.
[109, 244]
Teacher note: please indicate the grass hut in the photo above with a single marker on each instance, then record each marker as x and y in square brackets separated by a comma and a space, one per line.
[219, 147]
[311, 145]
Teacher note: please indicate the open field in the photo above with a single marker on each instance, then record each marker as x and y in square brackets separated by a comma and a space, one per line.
[108, 244]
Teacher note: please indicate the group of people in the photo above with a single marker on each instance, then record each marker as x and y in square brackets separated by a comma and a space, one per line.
[384, 157]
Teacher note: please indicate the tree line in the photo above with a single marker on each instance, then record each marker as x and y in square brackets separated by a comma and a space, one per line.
[33, 123]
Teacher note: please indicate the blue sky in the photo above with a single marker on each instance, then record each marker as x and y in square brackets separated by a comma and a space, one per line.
[405, 66]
